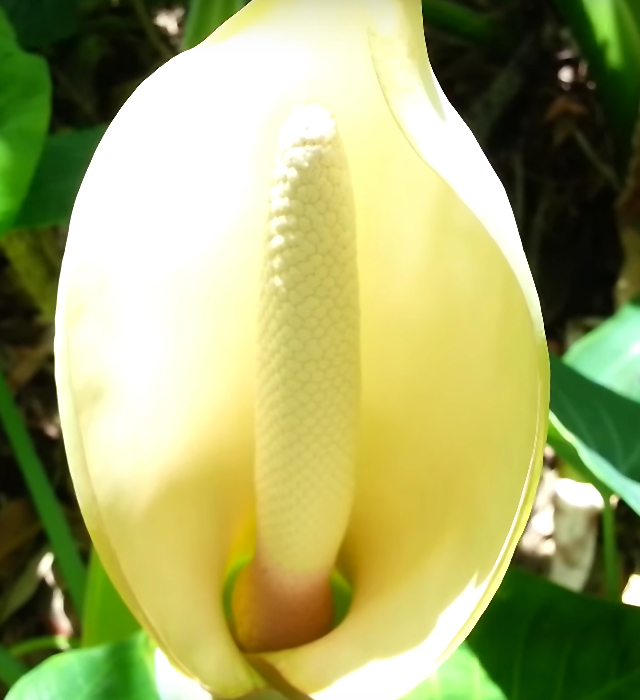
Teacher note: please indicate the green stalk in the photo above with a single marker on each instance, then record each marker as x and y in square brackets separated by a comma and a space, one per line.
[43, 496]
[10, 669]
[610, 550]
[55, 643]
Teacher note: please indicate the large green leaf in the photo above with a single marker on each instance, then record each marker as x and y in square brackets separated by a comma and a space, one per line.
[462, 677]
[56, 182]
[586, 462]
[604, 421]
[596, 431]
[594, 424]
[538, 641]
[608, 32]
[25, 104]
[42, 22]
[121, 671]
[610, 354]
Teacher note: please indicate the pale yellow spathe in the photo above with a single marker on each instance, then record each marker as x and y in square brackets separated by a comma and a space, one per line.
[156, 345]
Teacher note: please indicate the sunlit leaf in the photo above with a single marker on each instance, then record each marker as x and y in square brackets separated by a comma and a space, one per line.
[121, 671]
[538, 641]
[25, 102]
[598, 426]
[571, 450]
[605, 421]
[610, 354]
[595, 426]
[462, 677]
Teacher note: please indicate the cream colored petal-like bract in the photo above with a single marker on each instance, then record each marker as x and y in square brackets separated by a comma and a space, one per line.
[295, 320]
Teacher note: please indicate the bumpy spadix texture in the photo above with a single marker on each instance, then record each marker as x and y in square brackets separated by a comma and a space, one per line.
[307, 389]
[177, 412]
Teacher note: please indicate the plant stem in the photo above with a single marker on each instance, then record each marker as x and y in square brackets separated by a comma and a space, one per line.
[55, 643]
[44, 498]
[10, 669]
[610, 551]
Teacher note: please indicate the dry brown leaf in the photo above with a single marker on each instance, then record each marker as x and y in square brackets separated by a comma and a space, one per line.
[565, 106]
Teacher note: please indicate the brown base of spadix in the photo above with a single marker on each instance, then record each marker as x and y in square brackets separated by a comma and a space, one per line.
[272, 611]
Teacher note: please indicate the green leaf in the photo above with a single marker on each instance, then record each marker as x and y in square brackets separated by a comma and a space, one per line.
[608, 32]
[591, 465]
[610, 354]
[25, 103]
[597, 411]
[205, 16]
[106, 618]
[10, 668]
[604, 421]
[476, 27]
[460, 678]
[595, 430]
[42, 22]
[537, 640]
[56, 182]
[569, 449]
[121, 671]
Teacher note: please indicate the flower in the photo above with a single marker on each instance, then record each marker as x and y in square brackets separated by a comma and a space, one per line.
[296, 327]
